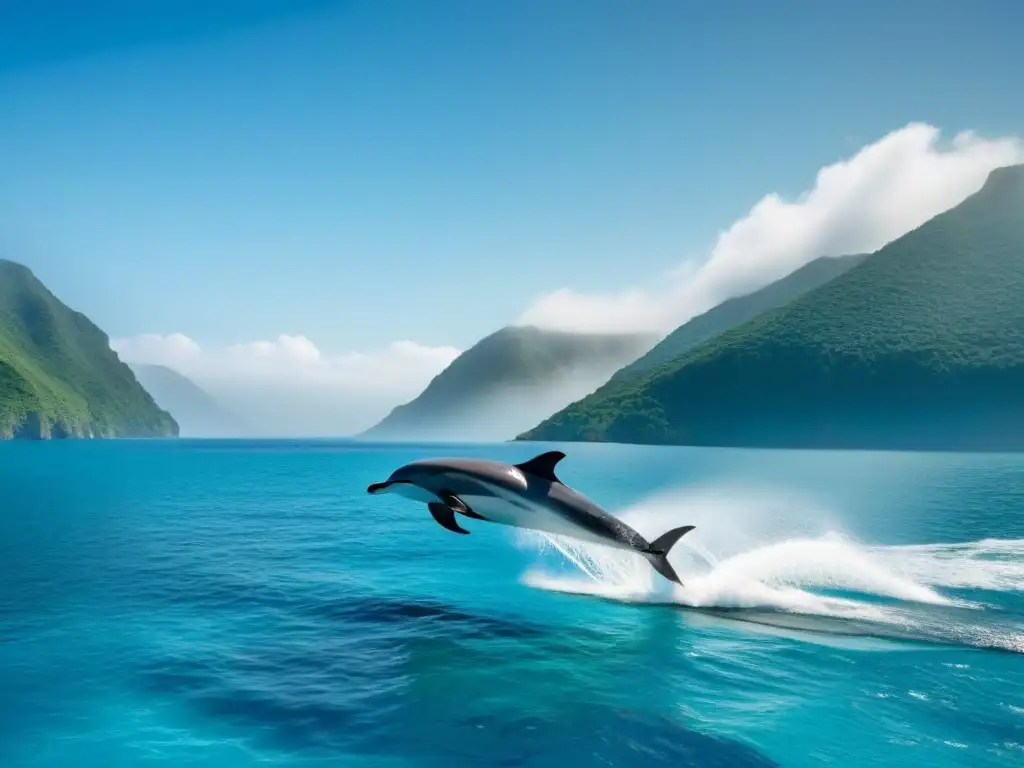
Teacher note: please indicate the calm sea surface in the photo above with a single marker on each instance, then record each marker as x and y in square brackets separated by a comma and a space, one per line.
[203, 603]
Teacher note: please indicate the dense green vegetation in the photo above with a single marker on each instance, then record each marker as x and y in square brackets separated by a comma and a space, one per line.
[196, 411]
[919, 346]
[739, 310]
[58, 376]
[515, 368]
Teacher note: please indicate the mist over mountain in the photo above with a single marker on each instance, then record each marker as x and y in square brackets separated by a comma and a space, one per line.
[736, 311]
[288, 387]
[510, 378]
[197, 413]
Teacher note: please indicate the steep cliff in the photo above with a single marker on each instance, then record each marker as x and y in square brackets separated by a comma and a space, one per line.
[59, 378]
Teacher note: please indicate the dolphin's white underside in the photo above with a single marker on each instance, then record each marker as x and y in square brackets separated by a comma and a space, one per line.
[507, 508]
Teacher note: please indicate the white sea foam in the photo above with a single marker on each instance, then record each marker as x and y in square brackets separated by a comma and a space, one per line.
[757, 551]
[991, 564]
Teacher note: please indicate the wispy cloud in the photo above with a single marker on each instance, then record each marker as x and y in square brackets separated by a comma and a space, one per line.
[287, 386]
[856, 205]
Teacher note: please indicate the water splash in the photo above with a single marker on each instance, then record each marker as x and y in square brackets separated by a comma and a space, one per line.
[796, 572]
[988, 564]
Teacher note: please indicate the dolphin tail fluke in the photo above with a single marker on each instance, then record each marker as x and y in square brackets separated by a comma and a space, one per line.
[665, 542]
[662, 566]
[657, 555]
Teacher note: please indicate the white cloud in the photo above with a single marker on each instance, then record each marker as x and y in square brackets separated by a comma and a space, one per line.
[289, 387]
[855, 206]
[172, 350]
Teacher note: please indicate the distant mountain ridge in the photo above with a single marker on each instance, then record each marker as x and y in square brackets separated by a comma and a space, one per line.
[59, 378]
[739, 310]
[919, 346]
[507, 381]
[197, 412]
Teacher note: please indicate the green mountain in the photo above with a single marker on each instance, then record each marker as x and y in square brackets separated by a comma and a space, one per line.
[508, 381]
[197, 412]
[737, 311]
[920, 346]
[58, 375]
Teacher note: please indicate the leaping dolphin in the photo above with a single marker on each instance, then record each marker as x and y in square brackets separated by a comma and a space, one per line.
[526, 495]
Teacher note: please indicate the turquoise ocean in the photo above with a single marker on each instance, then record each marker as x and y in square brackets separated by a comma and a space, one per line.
[246, 603]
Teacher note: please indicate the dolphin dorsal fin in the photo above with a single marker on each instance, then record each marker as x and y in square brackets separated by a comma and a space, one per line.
[543, 465]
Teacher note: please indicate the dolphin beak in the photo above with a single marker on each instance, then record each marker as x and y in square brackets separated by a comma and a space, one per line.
[378, 487]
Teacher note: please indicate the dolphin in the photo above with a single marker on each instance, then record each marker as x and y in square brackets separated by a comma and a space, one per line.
[525, 495]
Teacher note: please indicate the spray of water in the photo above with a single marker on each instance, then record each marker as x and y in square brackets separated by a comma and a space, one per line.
[769, 552]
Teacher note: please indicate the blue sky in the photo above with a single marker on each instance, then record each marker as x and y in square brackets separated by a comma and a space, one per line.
[363, 172]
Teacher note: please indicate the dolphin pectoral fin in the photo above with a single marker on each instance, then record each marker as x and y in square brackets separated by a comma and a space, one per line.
[543, 466]
[458, 505]
[445, 517]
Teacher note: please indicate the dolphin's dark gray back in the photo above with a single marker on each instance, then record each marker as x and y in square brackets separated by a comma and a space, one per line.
[576, 507]
[467, 471]
[542, 484]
